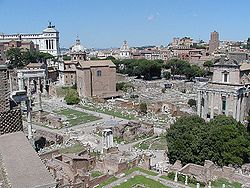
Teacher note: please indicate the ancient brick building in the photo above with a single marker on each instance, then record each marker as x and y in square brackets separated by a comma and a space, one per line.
[10, 119]
[4, 89]
[96, 79]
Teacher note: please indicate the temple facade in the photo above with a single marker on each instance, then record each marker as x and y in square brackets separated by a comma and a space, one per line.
[227, 93]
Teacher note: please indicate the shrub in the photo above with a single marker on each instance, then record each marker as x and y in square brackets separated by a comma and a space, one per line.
[192, 103]
[72, 97]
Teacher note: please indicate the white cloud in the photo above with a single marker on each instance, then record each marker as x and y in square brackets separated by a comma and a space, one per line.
[150, 17]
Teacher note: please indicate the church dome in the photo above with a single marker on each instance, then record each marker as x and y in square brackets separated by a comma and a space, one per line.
[77, 47]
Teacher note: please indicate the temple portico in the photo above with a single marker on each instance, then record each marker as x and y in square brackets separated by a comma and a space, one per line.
[224, 94]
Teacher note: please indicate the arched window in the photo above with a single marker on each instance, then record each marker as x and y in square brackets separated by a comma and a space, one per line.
[99, 73]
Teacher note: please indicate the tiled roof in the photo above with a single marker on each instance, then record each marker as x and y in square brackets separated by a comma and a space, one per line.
[96, 63]
[23, 166]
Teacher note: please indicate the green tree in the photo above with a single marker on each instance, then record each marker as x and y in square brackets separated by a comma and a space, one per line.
[19, 58]
[66, 58]
[181, 67]
[72, 97]
[143, 108]
[167, 75]
[192, 103]
[14, 55]
[223, 140]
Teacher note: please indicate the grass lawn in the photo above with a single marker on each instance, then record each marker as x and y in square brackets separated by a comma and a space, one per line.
[141, 180]
[76, 117]
[144, 145]
[159, 144]
[141, 170]
[218, 183]
[73, 149]
[95, 174]
[154, 144]
[109, 112]
[181, 182]
[108, 181]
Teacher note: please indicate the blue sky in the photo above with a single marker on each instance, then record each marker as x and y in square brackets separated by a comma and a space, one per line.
[106, 23]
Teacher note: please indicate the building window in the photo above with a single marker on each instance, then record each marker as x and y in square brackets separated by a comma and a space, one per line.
[225, 77]
[99, 73]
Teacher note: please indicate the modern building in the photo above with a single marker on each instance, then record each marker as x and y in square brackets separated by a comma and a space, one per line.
[214, 42]
[48, 40]
[96, 79]
[227, 93]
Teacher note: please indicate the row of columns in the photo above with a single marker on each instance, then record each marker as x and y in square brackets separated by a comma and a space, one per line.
[209, 97]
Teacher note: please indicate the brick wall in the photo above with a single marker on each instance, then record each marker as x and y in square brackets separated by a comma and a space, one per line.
[10, 121]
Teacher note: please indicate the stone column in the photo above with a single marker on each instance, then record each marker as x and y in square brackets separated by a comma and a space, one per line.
[44, 85]
[199, 104]
[242, 108]
[39, 95]
[21, 83]
[205, 106]
[29, 118]
[238, 108]
[226, 105]
[235, 107]
[212, 106]
[220, 104]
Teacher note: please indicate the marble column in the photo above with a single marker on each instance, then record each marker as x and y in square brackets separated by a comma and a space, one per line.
[242, 108]
[226, 110]
[235, 107]
[39, 95]
[212, 106]
[44, 85]
[238, 108]
[220, 104]
[199, 104]
[205, 106]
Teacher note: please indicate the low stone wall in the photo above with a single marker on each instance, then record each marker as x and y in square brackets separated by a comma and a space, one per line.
[210, 172]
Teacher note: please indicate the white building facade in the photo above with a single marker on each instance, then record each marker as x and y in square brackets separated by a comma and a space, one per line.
[48, 40]
[225, 94]
[125, 51]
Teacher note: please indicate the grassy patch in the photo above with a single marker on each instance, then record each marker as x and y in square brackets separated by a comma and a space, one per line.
[218, 183]
[181, 179]
[141, 170]
[72, 149]
[108, 181]
[141, 180]
[159, 144]
[76, 117]
[95, 174]
[109, 112]
[62, 91]
[118, 140]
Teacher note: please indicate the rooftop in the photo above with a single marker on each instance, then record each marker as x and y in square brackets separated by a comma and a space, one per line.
[225, 61]
[96, 63]
[22, 164]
